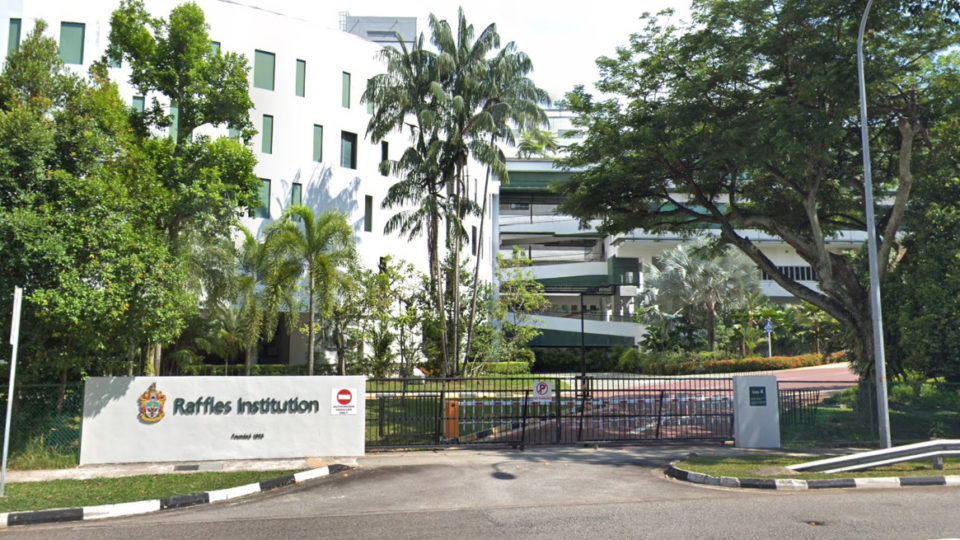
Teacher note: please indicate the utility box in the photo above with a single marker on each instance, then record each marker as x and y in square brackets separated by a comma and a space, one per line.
[756, 414]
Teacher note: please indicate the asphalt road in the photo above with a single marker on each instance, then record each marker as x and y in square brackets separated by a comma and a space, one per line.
[539, 493]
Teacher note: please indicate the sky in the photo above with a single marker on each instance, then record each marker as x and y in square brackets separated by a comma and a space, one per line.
[562, 38]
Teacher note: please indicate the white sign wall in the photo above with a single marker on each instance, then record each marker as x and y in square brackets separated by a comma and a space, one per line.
[147, 419]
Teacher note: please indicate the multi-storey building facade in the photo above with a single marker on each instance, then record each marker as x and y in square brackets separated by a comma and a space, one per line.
[306, 80]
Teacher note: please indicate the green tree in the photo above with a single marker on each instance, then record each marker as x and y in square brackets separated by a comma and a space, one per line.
[747, 119]
[700, 284]
[320, 246]
[922, 296]
[266, 285]
[200, 186]
[459, 103]
[514, 308]
[74, 222]
[537, 142]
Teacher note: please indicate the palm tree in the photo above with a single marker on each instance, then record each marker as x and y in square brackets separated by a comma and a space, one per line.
[512, 99]
[695, 280]
[455, 100]
[410, 91]
[265, 286]
[317, 246]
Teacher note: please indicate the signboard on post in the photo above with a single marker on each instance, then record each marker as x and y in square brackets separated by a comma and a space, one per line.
[344, 401]
[756, 417]
[150, 419]
[542, 392]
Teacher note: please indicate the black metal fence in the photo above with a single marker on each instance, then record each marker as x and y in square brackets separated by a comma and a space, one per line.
[511, 411]
[798, 405]
[46, 417]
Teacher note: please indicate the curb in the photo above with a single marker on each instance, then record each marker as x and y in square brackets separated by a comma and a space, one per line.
[104, 511]
[792, 484]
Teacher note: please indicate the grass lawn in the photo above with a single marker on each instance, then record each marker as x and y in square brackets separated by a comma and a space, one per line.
[24, 496]
[840, 425]
[749, 467]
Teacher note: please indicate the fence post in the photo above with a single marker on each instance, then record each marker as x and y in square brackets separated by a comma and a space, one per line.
[659, 413]
[440, 410]
[523, 425]
[583, 406]
[381, 411]
[556, 382]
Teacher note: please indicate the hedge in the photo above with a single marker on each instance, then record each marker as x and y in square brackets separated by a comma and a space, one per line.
[653, 363]
[506, 368]
[256, 369]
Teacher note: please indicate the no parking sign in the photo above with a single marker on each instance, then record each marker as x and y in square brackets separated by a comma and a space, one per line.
[542, 391]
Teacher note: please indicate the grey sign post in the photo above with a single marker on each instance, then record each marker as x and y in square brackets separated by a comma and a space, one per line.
[14, 340]
[769, 329]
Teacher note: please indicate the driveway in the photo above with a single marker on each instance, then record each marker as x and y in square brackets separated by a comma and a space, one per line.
[540, 493]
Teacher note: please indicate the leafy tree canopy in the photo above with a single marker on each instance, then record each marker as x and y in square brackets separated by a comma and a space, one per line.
[747, 119]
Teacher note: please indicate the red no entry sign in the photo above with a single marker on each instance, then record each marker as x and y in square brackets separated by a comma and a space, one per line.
[343, 401]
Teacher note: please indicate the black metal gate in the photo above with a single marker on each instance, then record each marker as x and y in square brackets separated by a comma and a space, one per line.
[514, 411]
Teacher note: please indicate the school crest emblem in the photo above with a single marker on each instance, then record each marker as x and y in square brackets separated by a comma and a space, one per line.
[151, 404]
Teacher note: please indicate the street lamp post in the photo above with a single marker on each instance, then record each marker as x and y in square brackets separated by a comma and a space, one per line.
[883, 416]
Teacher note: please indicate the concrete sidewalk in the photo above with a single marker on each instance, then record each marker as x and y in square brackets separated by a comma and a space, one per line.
[137, 469]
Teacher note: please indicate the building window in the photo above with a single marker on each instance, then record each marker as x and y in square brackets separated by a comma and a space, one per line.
[266, 135]
[13, 39]
[296, 194]
[263, 67]
[263, 211]
[473, 241]
[348, 150]
[233, 134]
[301, 77]
[71, 42]
[796, 273]
[384, 151]
[367, 213]
[317, 143]
[345, 93]
[138, 103]
[174, 120]
[215, 47]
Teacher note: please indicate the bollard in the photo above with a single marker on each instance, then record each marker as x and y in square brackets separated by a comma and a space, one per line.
[451, 426]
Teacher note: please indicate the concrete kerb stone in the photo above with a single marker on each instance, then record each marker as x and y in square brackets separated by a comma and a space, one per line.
[793, 484]
[104, 511]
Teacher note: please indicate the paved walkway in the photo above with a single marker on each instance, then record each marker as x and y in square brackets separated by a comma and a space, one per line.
[137, 469]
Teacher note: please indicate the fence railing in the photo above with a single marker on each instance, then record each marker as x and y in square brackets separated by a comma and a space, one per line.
[437, 412]
[46, 416]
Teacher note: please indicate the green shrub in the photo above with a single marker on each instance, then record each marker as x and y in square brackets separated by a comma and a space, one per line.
[933, 396]
[567, 359]
[903, 394]
[688, 363]
[847, 398]
[506, 368]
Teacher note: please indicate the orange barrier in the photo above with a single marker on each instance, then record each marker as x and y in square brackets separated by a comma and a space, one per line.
[451, 426]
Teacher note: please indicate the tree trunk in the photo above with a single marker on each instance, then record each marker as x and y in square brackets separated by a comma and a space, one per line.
[154, 356]
[434, 233]
[455, 315]
[476, 271]
[62, 397]
[248, 360]
[311, 332]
